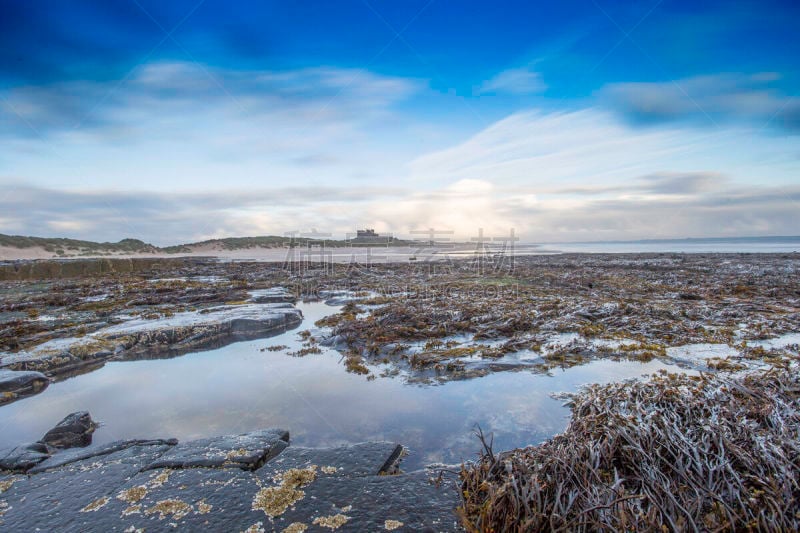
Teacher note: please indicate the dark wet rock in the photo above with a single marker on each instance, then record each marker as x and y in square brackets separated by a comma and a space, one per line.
[14, 384]
[334, 341]
[74, 431]
[15, 381]
[345, 481]
[409, 502]
[339, 297]
[392, 348]
[98, 453]
[118, 486]
[21, 458]
[61, 355]
[194, 499]
[273, 295]
[247, 451]
[363, 459]
[74, 497]
[173, 335]
[191, 331]
[247, 327]
[690, 296]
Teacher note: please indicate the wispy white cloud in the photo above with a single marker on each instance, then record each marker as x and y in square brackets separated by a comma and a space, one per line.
[181, 125]
[518, 81]
[324, 93]
[593, 147]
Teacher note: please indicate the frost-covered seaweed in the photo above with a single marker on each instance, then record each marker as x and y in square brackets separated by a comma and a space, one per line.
[677, 453]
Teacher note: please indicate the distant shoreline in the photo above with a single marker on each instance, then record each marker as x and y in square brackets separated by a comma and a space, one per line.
[274, 249]
[361, 255]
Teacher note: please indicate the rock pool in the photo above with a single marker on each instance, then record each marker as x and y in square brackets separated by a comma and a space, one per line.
[240, 387]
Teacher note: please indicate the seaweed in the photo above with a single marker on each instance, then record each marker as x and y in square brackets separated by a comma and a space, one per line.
[673, 453]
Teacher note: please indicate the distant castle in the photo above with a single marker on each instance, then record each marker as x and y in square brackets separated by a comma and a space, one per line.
[366, 233]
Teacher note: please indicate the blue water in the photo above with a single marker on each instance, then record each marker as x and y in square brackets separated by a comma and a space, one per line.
[711, 245]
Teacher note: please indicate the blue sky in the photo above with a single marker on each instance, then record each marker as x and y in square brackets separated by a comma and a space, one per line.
[179, 121]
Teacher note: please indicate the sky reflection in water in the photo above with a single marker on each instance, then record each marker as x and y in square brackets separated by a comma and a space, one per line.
[238, 388]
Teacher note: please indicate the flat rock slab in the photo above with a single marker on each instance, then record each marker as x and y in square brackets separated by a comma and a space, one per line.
[350, 487]
[138, 337]
[375, 503]
[96, 453]
[273, 295]
[118, 486]
[247, 451]
[72, 497]
[59, 351]
[194, 499]
[268, 314]
[363, 459]
[21, 458]
[17, 382]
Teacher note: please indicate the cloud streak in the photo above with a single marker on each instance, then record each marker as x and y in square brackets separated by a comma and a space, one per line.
[178, 125]
[172, 88]
[664, 183]
[593, 148]
[515, 81]
[706, 100]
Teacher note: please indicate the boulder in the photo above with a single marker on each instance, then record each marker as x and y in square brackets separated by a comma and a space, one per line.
[74, 431]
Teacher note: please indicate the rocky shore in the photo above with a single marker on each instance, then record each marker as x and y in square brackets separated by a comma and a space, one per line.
[251, 482]
[432, 323]
[731, 320]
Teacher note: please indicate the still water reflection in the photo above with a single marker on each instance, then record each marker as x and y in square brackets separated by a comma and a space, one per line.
[238, 388]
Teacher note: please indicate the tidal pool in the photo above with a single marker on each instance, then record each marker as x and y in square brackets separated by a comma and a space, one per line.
[239, 388]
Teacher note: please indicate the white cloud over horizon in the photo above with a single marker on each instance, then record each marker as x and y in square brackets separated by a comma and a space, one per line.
[464, 207]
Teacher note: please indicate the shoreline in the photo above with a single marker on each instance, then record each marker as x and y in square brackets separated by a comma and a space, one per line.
[373, 253]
